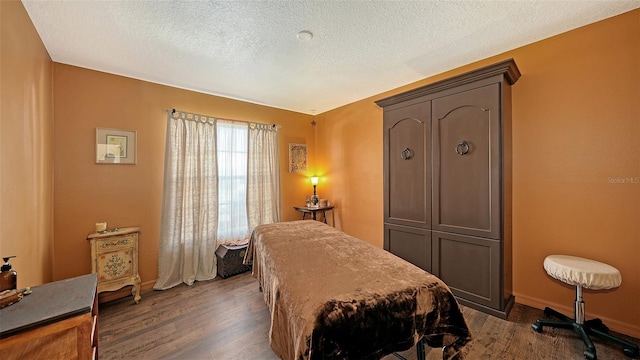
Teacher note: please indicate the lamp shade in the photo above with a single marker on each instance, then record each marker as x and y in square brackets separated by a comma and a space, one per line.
[314, 180]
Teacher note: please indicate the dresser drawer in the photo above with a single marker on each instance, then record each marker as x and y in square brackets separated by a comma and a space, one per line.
[115, 243]
[94, 332]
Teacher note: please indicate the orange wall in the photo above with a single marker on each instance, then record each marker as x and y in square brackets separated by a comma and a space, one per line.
[576, 124]
[131, 195]
[26, 147]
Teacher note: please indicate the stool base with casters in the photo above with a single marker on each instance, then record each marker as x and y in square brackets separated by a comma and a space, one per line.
[556, 266]
[590, 327]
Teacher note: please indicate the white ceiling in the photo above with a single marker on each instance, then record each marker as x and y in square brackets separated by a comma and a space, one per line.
[248, 50]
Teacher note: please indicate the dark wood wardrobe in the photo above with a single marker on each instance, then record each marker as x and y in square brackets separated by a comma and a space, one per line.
[447, 183]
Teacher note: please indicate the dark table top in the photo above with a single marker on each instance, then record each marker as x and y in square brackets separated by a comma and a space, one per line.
[49, 303]
[312, 208]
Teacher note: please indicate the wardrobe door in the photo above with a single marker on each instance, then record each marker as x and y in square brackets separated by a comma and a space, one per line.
[466, 165]
[410, 244]
[407, 165]
[470, 266]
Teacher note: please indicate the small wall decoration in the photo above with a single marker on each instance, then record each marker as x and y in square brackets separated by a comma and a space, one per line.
[114, 146]
[297, 158]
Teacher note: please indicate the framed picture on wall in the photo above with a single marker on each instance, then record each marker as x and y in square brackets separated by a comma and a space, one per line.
[297, 158]
[115, 146]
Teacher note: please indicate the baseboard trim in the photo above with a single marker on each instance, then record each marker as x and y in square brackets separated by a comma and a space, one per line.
[124, 292]
[502, 314]
[615, 325]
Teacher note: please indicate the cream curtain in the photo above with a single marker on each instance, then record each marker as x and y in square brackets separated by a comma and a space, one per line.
[189, 210]
[263, 176]
[221, 179]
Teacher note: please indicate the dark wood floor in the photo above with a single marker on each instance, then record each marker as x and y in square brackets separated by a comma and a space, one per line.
[227, 319]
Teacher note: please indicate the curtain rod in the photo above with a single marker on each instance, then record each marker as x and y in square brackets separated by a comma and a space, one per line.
[172, 111]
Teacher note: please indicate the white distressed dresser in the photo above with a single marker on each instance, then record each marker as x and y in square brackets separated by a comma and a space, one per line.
[114, 258]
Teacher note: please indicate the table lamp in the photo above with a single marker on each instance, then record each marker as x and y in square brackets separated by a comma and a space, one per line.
[314, 198]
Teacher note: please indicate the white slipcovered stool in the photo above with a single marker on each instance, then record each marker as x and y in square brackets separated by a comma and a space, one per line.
[590, 274]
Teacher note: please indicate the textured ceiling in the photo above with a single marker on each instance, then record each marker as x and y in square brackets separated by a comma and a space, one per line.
[248, 50]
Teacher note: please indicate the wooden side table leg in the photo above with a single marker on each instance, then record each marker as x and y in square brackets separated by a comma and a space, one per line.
[136, 290]
[313, 215]
[324, 216]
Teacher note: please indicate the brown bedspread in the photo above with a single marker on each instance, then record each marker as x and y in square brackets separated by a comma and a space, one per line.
[333, 296]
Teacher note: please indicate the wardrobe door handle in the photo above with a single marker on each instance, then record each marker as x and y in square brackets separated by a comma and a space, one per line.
[462, 148]
[406, 154]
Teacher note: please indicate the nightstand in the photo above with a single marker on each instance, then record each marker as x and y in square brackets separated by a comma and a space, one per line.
[313, 210]
[114, 257]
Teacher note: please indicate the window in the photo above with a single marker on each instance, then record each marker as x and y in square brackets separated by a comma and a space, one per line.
[232, 180]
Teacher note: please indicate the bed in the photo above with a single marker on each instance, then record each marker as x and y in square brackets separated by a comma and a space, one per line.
[333, 296]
